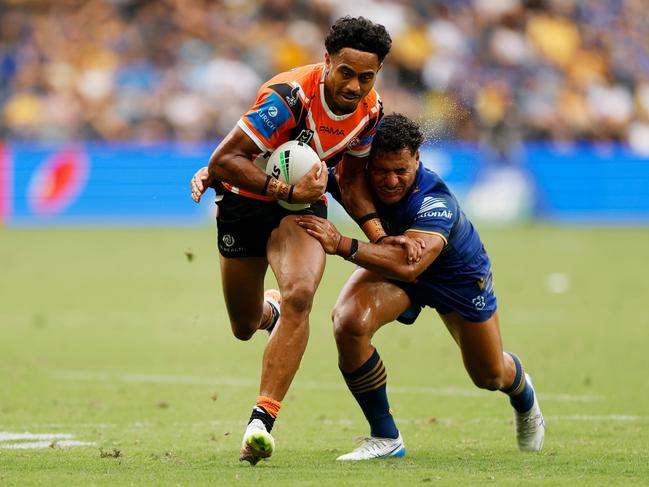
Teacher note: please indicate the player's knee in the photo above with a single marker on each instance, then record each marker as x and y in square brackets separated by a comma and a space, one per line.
[491, 380]
[243, 331]
[298, 297]
[348, 324]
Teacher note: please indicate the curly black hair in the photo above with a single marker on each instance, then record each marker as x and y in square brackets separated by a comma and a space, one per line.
[358, 33]
[396, 132]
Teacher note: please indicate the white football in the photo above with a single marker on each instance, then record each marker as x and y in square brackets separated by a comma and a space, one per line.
[288, 163]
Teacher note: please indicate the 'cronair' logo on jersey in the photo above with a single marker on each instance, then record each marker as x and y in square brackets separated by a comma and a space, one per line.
[434, 207]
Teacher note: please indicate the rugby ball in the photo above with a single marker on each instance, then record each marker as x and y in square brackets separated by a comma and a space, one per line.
[288, 163]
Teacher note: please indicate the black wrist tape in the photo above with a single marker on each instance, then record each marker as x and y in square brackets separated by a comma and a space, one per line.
[268, 178]
[366, 218]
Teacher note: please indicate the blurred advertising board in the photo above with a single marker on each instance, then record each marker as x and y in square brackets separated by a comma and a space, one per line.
[122, 184]
[100, 184]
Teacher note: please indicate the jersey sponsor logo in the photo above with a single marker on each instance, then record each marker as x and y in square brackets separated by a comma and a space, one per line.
[434, 207]
[272, 111]
[353, 143]
[265, 118]
[305, 136]
[437, 214]
[431, 203]
[331, 130]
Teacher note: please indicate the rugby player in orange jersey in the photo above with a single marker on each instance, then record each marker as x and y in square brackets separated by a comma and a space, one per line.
[333, 107]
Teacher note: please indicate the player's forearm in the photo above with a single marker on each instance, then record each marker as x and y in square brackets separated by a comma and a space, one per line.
[357, 200]
[387, 260]
[239, 171]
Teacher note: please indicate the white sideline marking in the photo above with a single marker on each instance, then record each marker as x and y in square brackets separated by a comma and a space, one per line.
[595, 418]
[47, 440]
[8, 436]
[239, 382]
[46, 444]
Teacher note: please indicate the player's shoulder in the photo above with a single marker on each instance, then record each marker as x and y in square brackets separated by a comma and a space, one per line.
[307, 77]
[372, 102]
[430, 192]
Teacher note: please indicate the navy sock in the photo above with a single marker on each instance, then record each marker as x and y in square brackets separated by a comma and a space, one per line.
[521, 394]
[368, 385]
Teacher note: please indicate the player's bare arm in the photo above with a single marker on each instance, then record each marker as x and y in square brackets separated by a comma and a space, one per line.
[389, 259]
[357, 198]
[232, 162]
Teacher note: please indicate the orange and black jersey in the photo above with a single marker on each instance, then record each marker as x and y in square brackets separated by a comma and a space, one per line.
[292, 106]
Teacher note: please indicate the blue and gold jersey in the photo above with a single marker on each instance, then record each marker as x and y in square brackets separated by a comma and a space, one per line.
[430, 207]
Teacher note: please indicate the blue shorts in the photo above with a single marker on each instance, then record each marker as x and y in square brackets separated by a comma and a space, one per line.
[474, 301]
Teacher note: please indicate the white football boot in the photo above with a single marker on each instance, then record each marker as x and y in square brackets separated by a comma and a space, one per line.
[530, 426]
[257, 443]
[372, 448]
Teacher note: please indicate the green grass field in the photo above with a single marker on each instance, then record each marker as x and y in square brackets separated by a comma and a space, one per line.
[115, 338]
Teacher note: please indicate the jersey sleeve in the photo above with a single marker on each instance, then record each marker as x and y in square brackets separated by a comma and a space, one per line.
[270, 119]
[364, 140]
[434, 214]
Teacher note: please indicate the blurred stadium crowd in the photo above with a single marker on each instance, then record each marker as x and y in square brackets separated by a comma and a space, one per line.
[187, 69]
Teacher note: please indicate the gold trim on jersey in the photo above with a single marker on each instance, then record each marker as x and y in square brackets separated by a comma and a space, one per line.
[429, 233]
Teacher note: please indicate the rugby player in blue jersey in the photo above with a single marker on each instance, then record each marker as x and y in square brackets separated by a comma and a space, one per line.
[453, 276]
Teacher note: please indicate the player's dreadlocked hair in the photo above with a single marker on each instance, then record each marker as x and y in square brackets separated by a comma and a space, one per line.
[358, 33]
[396, 132]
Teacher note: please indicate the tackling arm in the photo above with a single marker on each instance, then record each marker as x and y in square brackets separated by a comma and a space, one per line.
[389, 260]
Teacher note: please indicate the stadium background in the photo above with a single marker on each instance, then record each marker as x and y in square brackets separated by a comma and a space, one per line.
[113, 331]
[532, 109]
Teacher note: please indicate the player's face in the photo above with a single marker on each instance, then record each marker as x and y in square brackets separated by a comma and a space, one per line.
[350, 76]
[391, 174]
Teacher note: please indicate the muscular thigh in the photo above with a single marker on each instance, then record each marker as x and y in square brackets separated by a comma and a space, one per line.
[367, 301]
[297, 259]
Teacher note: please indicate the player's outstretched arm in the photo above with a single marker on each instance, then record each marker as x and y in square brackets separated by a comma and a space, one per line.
[389, 259]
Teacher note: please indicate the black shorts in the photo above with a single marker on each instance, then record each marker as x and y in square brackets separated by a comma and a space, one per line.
[245, 224]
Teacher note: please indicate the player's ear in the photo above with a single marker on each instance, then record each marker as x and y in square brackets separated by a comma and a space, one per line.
[327, 60]
[417, 154]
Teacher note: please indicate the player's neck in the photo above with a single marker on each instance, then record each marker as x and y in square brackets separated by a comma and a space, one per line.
[328, 99]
